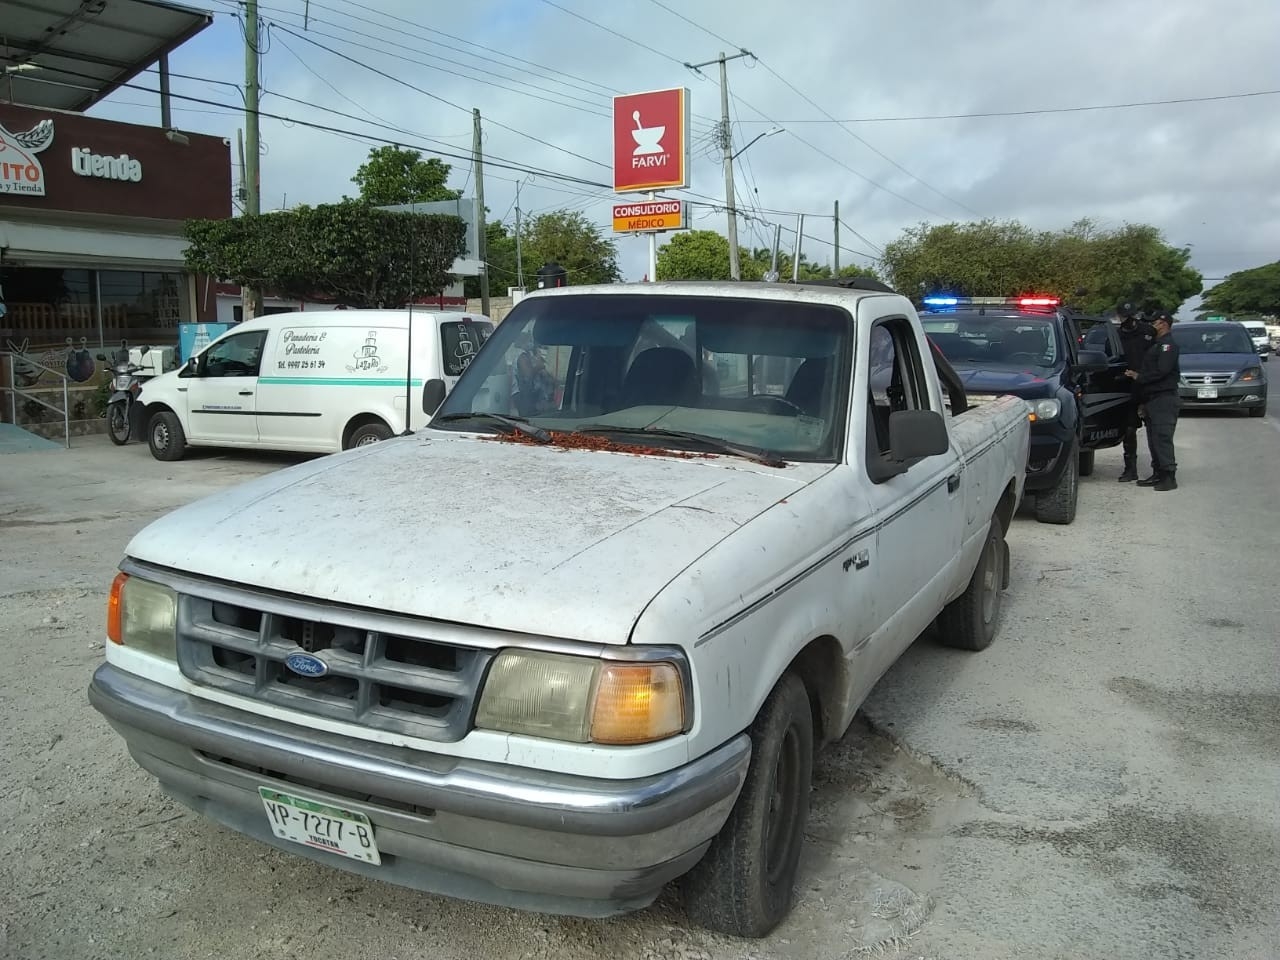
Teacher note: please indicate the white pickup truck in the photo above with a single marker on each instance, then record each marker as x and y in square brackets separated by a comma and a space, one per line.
[581, 635]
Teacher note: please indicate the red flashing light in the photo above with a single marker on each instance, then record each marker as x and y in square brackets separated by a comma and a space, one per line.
[1039, 301]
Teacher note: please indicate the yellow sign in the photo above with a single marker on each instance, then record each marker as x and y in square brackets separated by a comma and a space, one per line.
[649, 216]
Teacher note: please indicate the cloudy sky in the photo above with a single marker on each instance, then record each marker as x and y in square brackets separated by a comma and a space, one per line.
[1206, 173]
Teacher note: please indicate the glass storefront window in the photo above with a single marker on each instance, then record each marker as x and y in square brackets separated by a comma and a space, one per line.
[46, 307]
[142, 307]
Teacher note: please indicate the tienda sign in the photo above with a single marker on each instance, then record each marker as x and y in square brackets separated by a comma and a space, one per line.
[649, 216]
[20, 168]
[651, 141]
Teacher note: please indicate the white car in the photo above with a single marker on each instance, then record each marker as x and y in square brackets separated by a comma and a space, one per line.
[1257, 331]
[583, 635]
[313, 381]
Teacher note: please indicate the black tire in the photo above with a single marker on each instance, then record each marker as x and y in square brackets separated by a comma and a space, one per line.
[969, 621]
[1086, 462]
[744, 885]
[1258, 411]
[118, 424]
[1059, 504]
[373, 432]
[165, 436]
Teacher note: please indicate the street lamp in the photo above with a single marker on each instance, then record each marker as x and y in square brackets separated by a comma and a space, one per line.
[758, 136]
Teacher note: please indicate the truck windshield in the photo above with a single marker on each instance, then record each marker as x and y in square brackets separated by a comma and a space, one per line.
[768, 375]
[994, 341]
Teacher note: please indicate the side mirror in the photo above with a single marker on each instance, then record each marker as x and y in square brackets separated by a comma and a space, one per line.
[188, 369]
[433, 392]
[1091, 361]
[916, 434]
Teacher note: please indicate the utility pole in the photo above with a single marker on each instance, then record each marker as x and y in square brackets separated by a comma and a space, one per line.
[726, 147]
[252, 177]
[519, 254]
[772, 275]
[795, 256]
[482, 245]
[835, 271]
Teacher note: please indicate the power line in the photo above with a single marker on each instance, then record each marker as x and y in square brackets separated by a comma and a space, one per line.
[873, 246]
[621, 36]
[1042, 110]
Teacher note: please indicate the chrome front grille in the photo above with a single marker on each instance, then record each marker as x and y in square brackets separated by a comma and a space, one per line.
[1206, 379]
[377, 678]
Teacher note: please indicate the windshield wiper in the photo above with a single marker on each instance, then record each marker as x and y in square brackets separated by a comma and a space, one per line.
[513, 424]
[764, 457]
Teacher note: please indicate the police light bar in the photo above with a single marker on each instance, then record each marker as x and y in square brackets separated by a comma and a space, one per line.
[950, 301]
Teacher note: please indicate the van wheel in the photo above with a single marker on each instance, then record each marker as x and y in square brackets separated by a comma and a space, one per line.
[1086, 462]
[165, 436]
[969, 621]
[369, 433]
[743, 886]
[1059, 504]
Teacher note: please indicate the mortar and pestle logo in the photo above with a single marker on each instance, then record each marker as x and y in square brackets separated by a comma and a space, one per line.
[648, 139]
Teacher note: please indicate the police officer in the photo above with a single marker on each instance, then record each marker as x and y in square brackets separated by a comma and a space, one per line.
[1157, 383]
[1135, 337]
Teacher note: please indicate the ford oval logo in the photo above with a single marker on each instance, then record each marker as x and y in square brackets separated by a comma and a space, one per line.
[305, 665]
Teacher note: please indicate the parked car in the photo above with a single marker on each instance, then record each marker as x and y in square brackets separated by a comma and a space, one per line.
[1220, 367]
[1030, 347]
[1257, 331]
[313, 381]
[612, 665]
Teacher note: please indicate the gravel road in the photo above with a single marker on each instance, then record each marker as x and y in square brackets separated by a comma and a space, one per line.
[1101, 783]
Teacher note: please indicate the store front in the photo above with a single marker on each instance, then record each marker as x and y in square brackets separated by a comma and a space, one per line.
[91, 248]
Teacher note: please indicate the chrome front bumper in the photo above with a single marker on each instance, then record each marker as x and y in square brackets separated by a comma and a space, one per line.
[478, 831]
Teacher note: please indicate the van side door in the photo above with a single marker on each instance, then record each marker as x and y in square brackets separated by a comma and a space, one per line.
[222, 393]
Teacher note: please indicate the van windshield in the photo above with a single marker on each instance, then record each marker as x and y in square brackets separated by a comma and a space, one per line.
[760, 374]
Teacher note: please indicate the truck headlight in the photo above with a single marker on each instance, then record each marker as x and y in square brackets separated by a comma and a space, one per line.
[143, 615]
[1250, 375]
[1045, 409]
[582, 699]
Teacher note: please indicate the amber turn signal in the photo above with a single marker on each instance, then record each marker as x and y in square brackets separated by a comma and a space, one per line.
[115, 632]
[637, 703]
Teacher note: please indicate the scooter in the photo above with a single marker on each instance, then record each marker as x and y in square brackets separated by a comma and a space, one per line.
[126, 385]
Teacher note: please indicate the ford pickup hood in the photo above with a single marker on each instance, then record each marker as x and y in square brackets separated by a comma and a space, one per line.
[539, 540]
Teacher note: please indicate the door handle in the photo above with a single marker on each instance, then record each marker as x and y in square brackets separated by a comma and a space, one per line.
[953, 483]
[246, 393]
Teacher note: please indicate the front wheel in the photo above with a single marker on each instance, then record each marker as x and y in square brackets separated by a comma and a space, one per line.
[166, 437]
[744, 885]
[1059, 504]
[118, 424]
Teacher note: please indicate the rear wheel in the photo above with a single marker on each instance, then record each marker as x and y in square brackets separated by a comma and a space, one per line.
[165, 436]
[369, 433]
[969, 621]
[744, 884]
[1086, 462]
[1059, 504]
[118, 424]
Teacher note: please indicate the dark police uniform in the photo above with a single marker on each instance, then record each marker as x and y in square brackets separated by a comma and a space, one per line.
[1136, 337]
[1158, 389]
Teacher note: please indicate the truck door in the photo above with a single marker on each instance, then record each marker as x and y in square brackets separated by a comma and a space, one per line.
[1107, 393]
[221, 396]
[919, 515]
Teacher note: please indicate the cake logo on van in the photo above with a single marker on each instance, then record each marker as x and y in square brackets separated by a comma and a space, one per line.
[367, 358]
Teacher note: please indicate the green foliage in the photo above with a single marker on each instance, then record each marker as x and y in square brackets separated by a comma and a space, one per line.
[1246, 293]
[393, 175]
[344, 252]
[704, 255]
[994, 258]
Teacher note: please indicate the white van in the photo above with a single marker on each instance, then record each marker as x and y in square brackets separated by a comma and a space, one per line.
[318, 381]
[1257, 331]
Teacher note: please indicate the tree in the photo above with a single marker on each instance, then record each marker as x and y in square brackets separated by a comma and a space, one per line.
[704, 255]
[1246, 293]
[569, 239]
[993, 258]
[345, 252]
[394, 175]
[500, 251]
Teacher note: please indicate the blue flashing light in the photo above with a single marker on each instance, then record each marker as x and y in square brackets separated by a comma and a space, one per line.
[941, 301]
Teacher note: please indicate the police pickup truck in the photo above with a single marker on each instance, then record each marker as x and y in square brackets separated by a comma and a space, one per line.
[1029, 347]
[581, 635]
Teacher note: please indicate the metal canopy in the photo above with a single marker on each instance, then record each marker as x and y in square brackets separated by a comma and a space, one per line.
[69, 54]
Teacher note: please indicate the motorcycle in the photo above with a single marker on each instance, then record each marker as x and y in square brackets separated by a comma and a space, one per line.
[125, 385]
